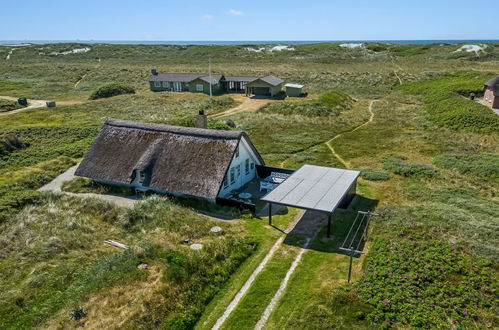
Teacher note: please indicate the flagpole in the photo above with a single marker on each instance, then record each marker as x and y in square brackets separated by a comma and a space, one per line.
[209, 70]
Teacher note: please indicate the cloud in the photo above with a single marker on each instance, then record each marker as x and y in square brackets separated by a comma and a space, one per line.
[234, 12]
[207, 17]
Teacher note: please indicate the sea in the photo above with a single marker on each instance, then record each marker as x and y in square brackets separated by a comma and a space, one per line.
[242, 42]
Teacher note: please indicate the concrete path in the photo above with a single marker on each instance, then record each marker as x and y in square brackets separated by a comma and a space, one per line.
[247, 104]
[55, 185]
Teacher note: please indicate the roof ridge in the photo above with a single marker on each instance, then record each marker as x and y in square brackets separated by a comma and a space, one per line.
[182, 130]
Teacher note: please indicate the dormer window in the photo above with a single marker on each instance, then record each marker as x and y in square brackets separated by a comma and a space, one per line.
[237, 152]
[140, 176]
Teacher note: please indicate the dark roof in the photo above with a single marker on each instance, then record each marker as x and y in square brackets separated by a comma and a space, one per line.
[179, 77]
[271, 80]
[181, 160]
[494, 85]
[239, 78]
[215, 78]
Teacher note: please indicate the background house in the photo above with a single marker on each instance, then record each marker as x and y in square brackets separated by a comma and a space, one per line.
[200, 83]
[491, 93]
[268, 85]
[182, 161]
[180, 82]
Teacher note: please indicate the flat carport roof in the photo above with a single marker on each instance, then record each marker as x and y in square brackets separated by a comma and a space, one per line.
[313, 187]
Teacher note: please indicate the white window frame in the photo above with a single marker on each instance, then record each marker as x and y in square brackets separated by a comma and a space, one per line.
[166, 84]
[157, 84]
[247, 166]
[226, 182]
[232, 175]
[237, 152]
[199, 88]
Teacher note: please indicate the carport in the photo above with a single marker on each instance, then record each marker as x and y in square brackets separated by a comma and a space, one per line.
[316, 188]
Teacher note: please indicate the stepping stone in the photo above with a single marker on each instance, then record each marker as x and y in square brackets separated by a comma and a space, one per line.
[216, 229]
[196, 246]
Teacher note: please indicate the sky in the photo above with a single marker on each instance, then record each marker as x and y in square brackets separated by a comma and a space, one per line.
[195, 20]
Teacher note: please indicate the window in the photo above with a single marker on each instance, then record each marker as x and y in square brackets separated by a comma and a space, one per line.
[199, 87]
[247, 166]
[237, 151]
[238, 171]
[252, 165]
[232, 175]
[226, 182]
[166, 84]
[157, 84]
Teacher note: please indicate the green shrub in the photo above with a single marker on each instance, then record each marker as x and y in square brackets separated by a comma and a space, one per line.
[6, 105]
[400, 166]
[480, 165]
[374, 175]
[11, 143]
[110, 90]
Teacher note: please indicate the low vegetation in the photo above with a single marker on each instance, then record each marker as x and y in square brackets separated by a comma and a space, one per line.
[446, 107]
[63, 265]
[111, 90]
[399, 165]
[85, 185]
[426, 284]
[329, 103]
[374, 175]
[7, 105]
[485, 166]
[18, 187]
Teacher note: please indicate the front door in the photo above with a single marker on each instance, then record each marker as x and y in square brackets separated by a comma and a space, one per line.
[177, 86]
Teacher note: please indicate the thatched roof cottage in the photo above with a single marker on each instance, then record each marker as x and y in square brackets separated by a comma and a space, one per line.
[182, 161]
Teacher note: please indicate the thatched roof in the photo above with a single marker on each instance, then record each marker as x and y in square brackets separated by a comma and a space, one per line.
[179, 160]
[493, 84]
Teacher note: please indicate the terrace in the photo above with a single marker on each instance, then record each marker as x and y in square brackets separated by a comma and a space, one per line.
[249, 196]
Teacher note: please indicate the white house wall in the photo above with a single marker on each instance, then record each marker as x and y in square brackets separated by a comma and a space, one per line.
[245, 152]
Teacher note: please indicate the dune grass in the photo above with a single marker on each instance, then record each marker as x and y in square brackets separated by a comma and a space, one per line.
[67, 264]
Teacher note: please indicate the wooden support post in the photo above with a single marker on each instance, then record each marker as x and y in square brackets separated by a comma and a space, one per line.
[350, 267]
[270, 214]
[329, 225]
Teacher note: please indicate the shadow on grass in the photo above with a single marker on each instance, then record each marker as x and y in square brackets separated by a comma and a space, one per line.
[316, 222]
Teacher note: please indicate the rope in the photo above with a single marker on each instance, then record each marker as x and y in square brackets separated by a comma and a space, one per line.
[354, 236]
[351, 227]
